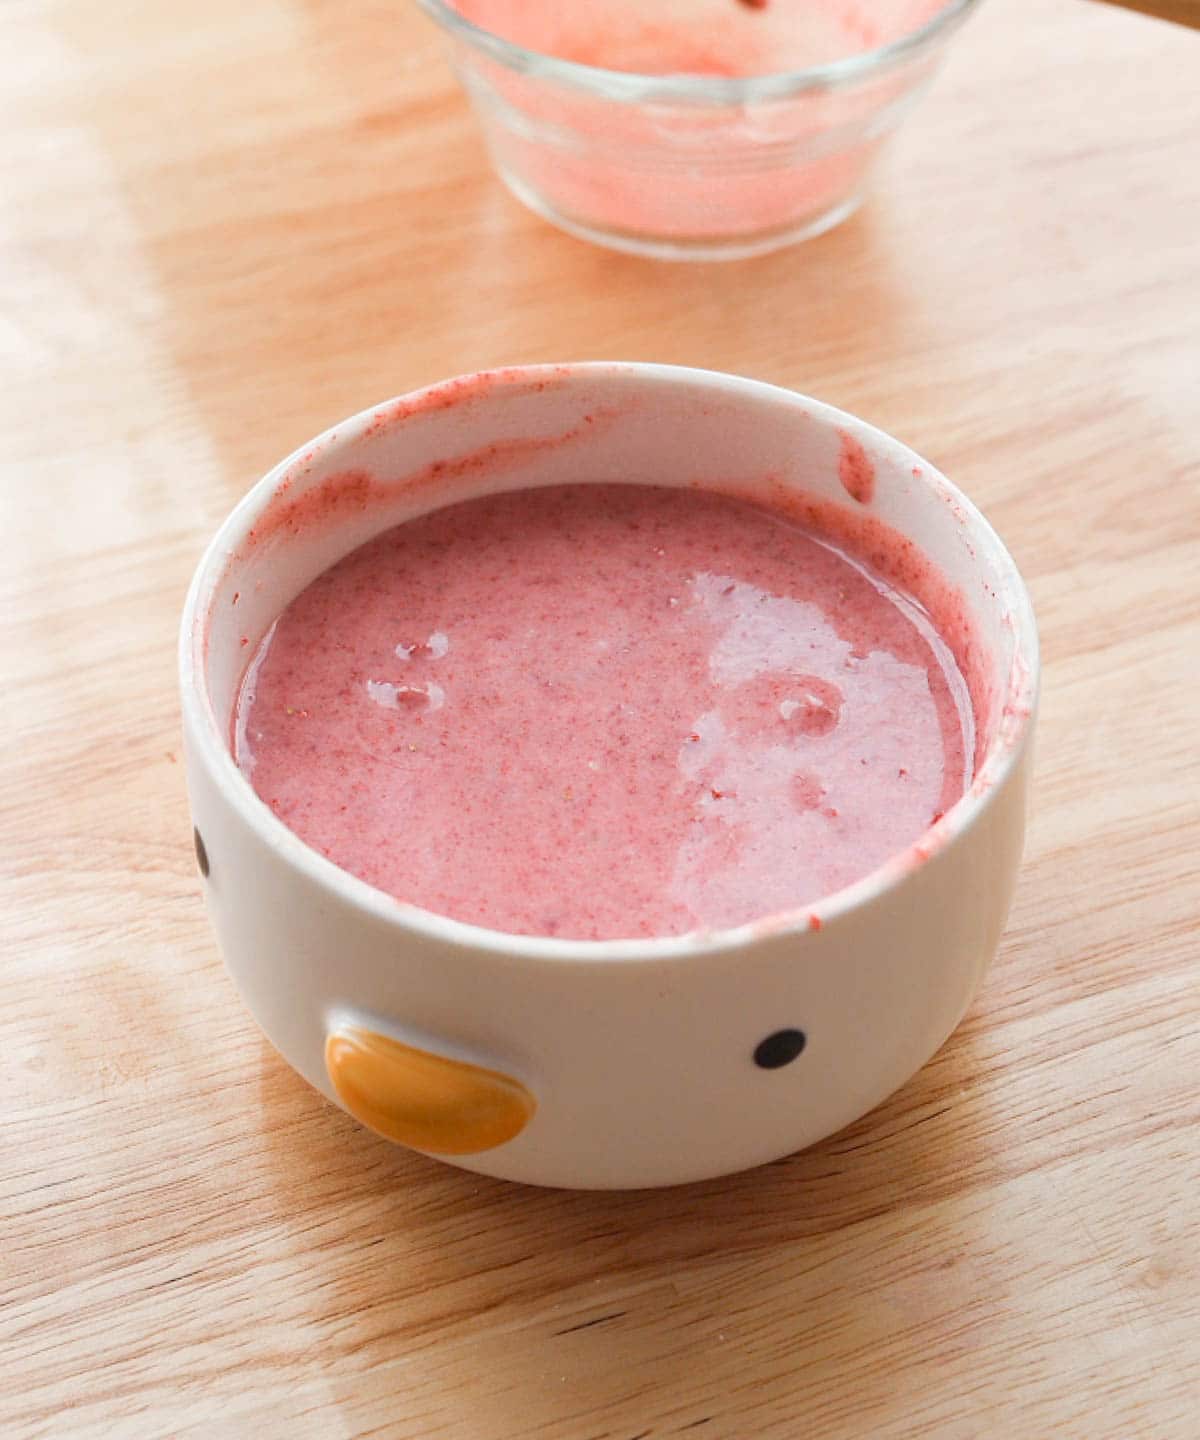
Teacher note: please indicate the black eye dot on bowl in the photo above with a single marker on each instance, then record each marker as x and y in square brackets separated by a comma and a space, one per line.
[779, 1049]
[201, 852]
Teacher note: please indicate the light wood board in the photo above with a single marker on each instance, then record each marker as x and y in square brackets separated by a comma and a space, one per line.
[225, 226]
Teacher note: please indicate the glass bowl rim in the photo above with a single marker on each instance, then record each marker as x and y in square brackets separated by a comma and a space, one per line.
[715, 90]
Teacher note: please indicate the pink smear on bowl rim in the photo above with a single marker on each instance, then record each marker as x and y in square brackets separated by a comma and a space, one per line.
[856, 470]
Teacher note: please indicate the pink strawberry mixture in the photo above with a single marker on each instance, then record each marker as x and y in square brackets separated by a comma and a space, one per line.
[605, 711]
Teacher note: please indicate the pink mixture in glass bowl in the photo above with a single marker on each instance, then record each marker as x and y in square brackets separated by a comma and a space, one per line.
[705, 130]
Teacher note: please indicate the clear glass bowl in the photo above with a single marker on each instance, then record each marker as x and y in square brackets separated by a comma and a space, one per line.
[690, 166]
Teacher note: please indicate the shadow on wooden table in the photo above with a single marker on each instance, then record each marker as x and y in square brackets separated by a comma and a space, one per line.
[494, 1308]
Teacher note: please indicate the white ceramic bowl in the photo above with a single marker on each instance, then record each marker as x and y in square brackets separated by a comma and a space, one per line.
[590, 1063]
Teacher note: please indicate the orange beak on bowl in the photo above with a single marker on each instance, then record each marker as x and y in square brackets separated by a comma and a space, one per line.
[422, 1100]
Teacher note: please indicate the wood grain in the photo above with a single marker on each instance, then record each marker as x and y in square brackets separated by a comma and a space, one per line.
[1178, 12]
[227, 225]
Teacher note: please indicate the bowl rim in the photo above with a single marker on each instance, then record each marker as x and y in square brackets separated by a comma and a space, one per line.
[698, 90]
[1017, 705]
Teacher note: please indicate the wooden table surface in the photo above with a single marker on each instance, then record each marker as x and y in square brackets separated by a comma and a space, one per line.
[225, 226]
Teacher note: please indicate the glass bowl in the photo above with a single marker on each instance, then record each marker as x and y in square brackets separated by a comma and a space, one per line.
[691, 166]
